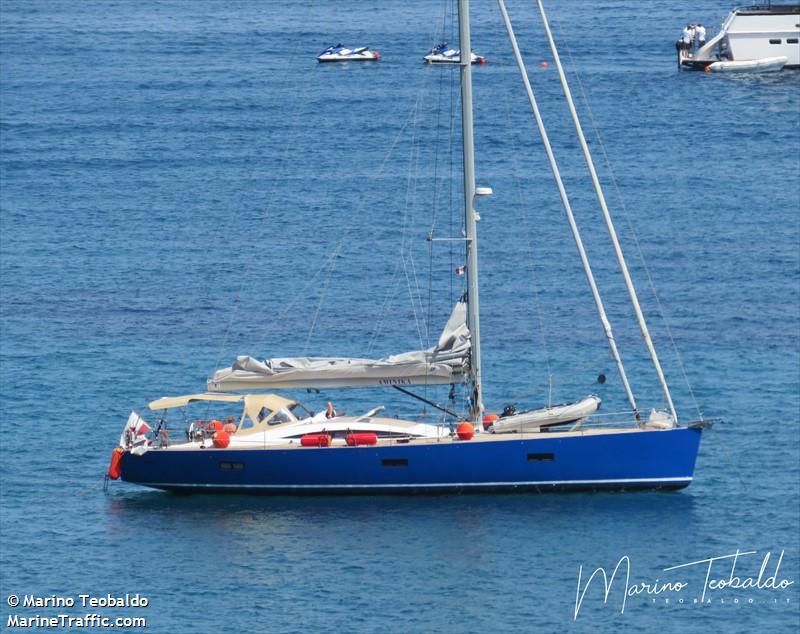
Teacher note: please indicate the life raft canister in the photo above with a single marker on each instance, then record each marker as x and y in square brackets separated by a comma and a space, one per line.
[363, 438]
[115, 468]
[315, 440]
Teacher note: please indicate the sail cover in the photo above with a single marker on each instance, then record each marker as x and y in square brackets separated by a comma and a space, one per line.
[446, 362]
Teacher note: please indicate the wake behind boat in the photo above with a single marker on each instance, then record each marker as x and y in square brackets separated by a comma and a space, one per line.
[268, 447]
[340, 53]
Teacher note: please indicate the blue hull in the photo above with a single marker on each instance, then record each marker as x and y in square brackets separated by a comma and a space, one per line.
[620, 461]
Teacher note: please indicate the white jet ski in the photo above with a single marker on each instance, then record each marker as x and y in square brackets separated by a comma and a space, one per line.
[341, 53]
[441, 54]
[533, 419]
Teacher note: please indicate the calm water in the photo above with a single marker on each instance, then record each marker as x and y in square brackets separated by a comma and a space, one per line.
[182, 183]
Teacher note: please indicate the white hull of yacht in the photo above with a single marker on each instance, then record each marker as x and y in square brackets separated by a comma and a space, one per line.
[751, 34]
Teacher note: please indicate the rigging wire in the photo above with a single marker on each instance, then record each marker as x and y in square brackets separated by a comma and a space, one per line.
[406, 248]
[568, 210]
[330, 261]
[515, 173]
[626, 214]
[303, 87]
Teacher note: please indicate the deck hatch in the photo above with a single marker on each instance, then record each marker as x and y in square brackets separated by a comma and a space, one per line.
[394, 462]
[541, 457]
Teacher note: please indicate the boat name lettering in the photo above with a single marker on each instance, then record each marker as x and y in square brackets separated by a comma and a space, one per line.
[394, 382]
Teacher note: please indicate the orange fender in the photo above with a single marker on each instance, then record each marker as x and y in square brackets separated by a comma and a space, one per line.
[115, 468]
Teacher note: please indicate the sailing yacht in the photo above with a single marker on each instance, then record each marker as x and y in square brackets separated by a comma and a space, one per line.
[270, 447]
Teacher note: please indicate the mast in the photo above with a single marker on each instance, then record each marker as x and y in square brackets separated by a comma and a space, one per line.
[473, 316]
[607, 217]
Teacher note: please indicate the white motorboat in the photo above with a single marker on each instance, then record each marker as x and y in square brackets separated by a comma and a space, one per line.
[441, 54]
[748, 66]
[757, 34]
[535, 419]
[341, 53]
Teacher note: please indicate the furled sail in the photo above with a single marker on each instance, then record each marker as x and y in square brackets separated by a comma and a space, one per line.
[446, 362]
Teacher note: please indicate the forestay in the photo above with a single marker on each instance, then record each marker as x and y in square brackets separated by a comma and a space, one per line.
[447, 362]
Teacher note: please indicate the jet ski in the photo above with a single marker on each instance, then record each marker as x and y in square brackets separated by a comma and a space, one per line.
[341, 53]
[441, 54]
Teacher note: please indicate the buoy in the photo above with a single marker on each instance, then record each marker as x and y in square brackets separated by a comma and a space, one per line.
[215, 425]
[315, 440]
[465, 431]
[115, 468]
[363, 438]
[221, 439]
[489, 419]
[543, 64]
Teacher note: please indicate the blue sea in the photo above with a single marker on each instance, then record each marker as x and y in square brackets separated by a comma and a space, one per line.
[182, 183]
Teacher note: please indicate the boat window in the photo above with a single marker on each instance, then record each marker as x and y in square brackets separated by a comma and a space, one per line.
[541, 457]
[792, 40]
[231, 466]
[774, 41]
[281, 416]
[395, 462]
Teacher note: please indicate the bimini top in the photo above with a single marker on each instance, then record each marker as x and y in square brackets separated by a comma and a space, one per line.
[252, 402]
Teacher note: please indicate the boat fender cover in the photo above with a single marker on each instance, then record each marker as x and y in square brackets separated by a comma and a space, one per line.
[221, 439]
[363, 438]
[465, 431]
[115, 468]
[315, 440]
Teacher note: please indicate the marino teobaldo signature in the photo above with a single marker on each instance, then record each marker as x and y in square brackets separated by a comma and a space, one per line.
[717, 573]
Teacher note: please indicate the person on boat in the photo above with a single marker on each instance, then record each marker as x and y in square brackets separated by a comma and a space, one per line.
[700, 35]
[229, 426]
[329, 413]
[687, 37]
